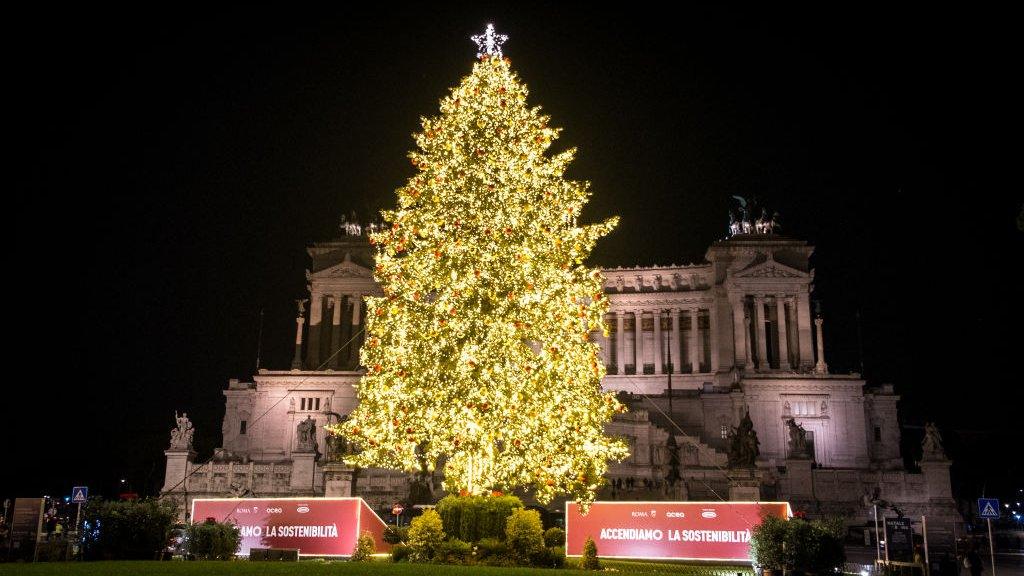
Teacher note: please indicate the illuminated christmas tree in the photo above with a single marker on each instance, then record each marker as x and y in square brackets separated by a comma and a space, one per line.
[479, 354]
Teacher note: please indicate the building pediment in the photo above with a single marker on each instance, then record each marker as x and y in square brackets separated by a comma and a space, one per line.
[770, 269]
[346, 269]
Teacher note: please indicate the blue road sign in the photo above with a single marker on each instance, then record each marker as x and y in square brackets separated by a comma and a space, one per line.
[988, 508]
[79, 494]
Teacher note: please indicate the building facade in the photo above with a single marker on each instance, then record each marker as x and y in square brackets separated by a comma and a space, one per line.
[692, 350]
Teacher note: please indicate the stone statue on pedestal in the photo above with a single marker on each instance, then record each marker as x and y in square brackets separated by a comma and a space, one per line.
[306, 431]
[931, 446]
[743, 444]
[181, 436]
[797, 440]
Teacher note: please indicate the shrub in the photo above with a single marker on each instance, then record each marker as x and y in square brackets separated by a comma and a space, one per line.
[524, 534]
[589, 560]
[426, 533]
[490, 548]
[453, 551]
[554, 536]
[797, 545]
[549, 557]
[766, 543]
[131, 530]
[396, 534]
[400, 552]
[817, 545]
[212, 540]
[365, 548]
[473, 518]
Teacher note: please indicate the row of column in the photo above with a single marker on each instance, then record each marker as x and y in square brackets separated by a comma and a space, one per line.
[697, 353]
[334, 345]
[789, 319]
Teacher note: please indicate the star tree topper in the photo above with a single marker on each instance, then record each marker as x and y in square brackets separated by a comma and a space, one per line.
[489, 43]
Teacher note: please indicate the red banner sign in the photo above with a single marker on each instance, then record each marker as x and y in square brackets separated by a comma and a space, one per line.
[315, 526]
[676, 530]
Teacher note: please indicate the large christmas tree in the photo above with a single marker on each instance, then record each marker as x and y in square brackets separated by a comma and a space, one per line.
[479, 354]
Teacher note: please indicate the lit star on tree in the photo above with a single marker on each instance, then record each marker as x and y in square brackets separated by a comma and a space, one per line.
[489, 43]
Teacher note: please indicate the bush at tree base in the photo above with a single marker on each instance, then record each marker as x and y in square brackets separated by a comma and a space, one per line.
[131, 530]
[473, 518]
[365, 548]
[396, 534]
[212, 540]
[553, 557]
[524, 534]
[490, 548]
[426, 533]
[589, 560]
[400, 552]
[453, 551]
[554, 537]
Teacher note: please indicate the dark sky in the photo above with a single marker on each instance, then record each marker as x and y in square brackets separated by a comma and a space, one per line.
[170, 167]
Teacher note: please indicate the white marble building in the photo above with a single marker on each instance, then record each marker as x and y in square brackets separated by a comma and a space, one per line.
[729, 336]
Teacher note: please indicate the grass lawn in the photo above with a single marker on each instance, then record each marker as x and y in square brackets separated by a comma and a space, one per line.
[317, 568]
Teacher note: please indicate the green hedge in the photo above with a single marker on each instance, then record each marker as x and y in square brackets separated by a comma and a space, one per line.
[473, 518]
[131, 530]
[212, 540]
[796, 545]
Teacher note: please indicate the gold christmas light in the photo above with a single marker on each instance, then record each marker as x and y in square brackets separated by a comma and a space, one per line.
[479, 354]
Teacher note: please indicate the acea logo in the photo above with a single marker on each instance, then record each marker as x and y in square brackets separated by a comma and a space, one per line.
[709, 513]
[675, 514]
[302, 509]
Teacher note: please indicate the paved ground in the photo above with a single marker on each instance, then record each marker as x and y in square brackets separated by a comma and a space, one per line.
[1007, 564]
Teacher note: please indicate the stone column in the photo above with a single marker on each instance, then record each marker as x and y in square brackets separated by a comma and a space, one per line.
[620, 342]
[677, 357]
[339, 300]
[821, 367]
[357, 336]
[657, 342]
[695, 340]
[747, 345]
[780, 316]
[713, 335]
[638, 335]
[803, 322]
[316, 305]
[794, 333]
[758, 320]
[739, 340]
[299, 321]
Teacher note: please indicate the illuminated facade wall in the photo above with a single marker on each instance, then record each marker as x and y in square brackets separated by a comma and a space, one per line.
[734, 334]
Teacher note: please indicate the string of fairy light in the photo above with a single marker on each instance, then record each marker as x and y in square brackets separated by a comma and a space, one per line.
[479, 353]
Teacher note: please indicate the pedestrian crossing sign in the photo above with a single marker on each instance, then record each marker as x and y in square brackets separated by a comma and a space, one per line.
[988, 508]
[79, 494]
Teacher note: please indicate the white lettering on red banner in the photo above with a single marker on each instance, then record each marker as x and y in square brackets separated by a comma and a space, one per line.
[676, 530]
[315, 526]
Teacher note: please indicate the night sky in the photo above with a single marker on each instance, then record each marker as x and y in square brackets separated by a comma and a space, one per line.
[170, 168]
